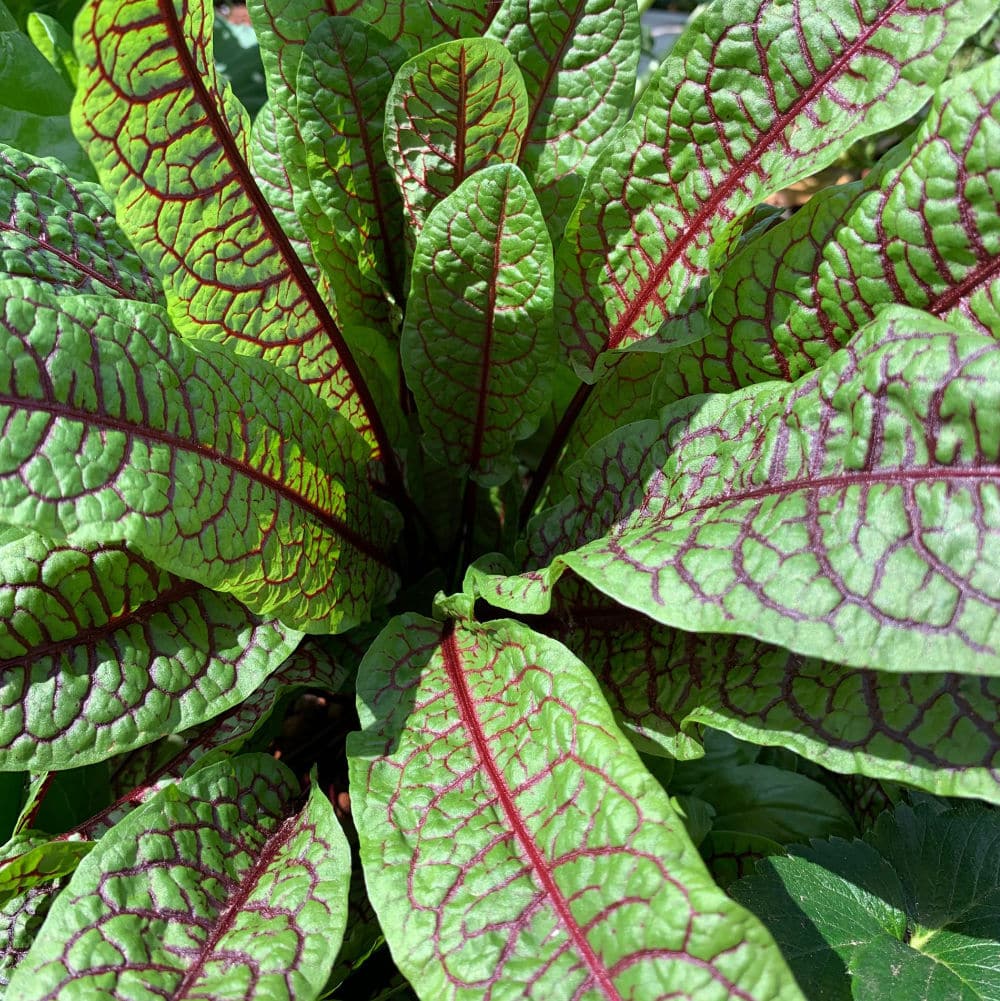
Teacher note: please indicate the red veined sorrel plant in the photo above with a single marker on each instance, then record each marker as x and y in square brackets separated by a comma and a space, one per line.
[456, 381]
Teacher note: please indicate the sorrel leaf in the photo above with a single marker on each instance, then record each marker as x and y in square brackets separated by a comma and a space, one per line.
[170, 140]
[272, 175]
[61, 232]
[172, 899]
[29, 860]
[116, 429]
[345, 74]
[511, 836]
[478, 334]
[578, 62]
[418, 24]
[100, 651]
[451, 111]
[660, 205]
[138, 776]
[920, 230]
[849, 515]
[874, 909]
[936, 731]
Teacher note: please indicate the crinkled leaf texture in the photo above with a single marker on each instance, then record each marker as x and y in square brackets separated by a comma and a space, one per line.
[218, 467]
[478, 335]
[854, 514]
[170, 140]
[934, 730]
[920, 230]
[911, 911]
[451, 111]
[513, 843]
[222, 886]
[707, 142]
[61, 232]
[100, 652]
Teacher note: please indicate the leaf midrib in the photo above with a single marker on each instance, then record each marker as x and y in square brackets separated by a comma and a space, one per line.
[251, 879]
[207, 452]
[90, 636]
[747, 165]
[466, 707]
[220, 129]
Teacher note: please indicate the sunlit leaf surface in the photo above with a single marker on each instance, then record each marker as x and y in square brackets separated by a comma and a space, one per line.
[513, 841]
[219, 887]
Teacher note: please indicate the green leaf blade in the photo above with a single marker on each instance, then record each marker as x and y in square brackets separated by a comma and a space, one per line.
[452, 110]
[912, 908]
[188, 893]
[101, 652]
[934, 731]
[493, 854]
[478, 323]
[170, 139]
[662, 203]
[857, 520]
[61, 232]
[345, 73]
[578, 61]
[920, 230]
[189, 457]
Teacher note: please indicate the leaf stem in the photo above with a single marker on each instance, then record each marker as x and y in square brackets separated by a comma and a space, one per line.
[556, 444]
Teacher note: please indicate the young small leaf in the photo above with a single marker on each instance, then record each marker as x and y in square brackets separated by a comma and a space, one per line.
[478, 329]
[578, 61]
[345, 74]
[173, 901]
[451, 111]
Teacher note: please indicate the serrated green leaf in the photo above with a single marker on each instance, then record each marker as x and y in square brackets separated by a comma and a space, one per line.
[578, 61]
[852, 515]
[478, 332]
[168, 137]
[911, 911]
[220, 468]
[451, 111]
[61, 233]
[345, 73]
[501, 815]
[707, 142]
[100, 652]
[173, 901]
